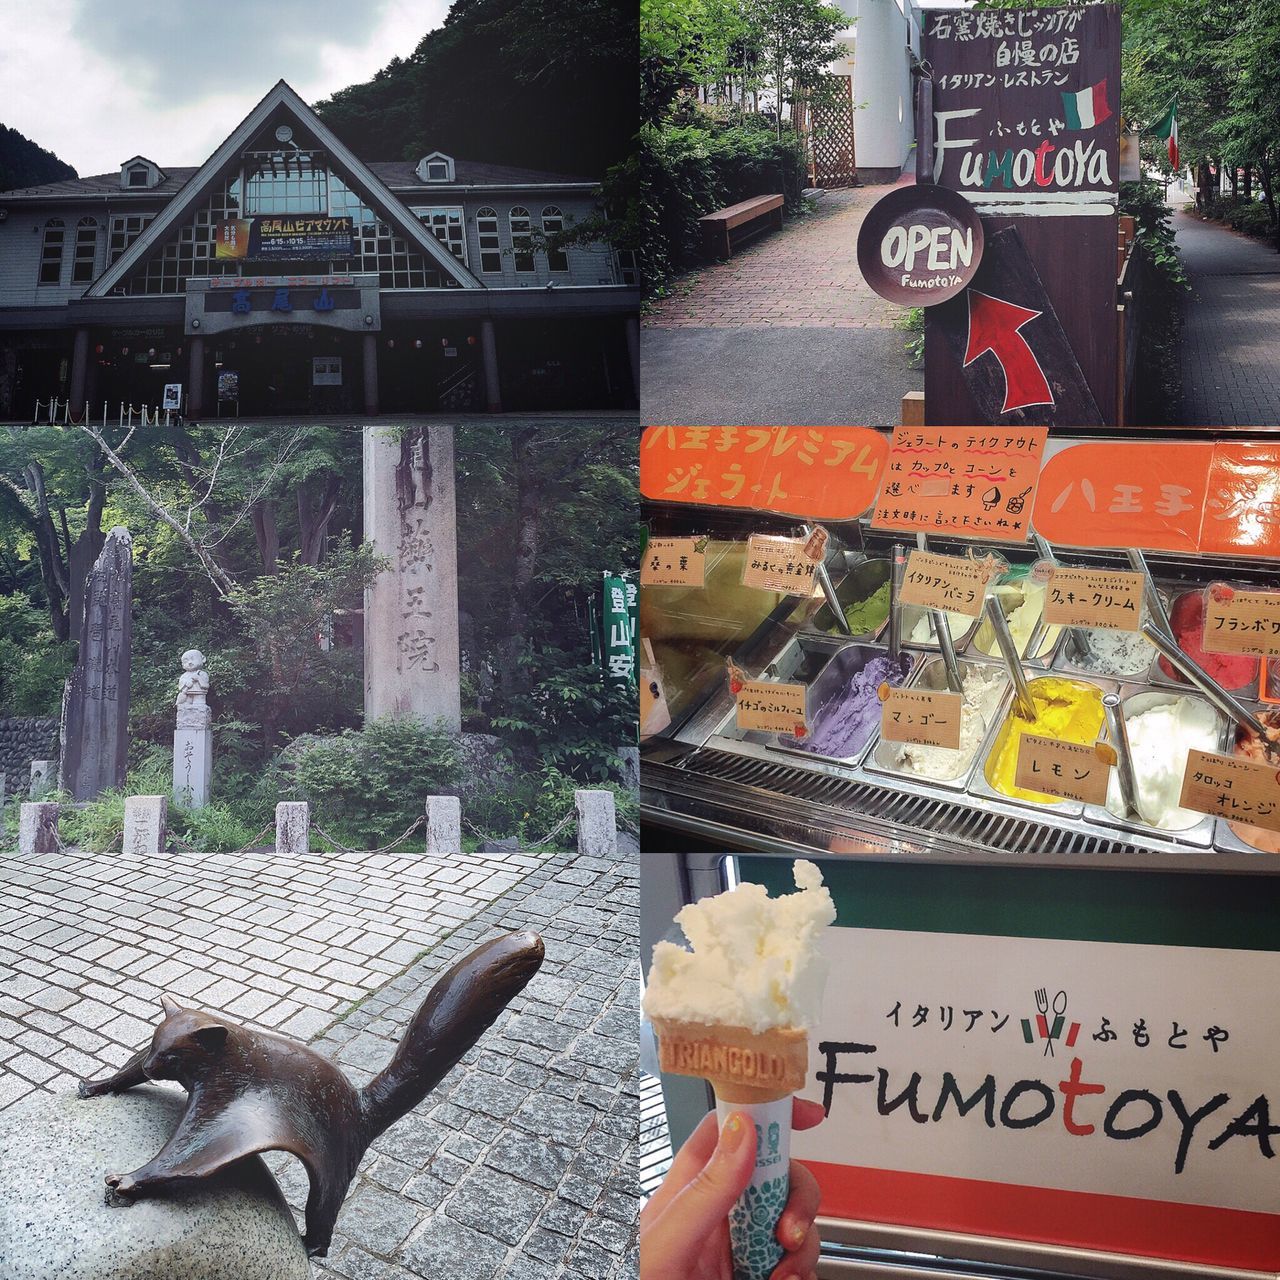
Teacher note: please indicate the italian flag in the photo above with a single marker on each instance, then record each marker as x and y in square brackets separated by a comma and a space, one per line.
[1167, 128]
[1086, 108]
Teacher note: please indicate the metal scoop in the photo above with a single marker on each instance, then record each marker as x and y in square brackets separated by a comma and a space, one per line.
[1025, 704]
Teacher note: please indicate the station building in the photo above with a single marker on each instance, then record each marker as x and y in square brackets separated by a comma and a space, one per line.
[287, 276]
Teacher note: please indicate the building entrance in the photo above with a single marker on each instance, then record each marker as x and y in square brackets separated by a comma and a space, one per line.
[293, 369]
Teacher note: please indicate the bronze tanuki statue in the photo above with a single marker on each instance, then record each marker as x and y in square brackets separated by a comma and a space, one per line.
[252, 1091]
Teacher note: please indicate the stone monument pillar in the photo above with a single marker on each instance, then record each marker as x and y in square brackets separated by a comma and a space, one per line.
[95, 703]
[193, 737]
[411, 663]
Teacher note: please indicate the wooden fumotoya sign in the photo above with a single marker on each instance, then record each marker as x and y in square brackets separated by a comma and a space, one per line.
[1062, 1057]
[1026, 127]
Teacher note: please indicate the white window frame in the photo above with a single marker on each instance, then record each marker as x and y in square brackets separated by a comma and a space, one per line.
[557, 259]
[425, 213]
[489, 239]
[521, 241]
[58, 226]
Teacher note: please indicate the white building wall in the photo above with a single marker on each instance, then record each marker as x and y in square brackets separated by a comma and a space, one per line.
[882, 123]
[588, 264]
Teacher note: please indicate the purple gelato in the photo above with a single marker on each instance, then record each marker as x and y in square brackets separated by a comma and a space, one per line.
[843, 725]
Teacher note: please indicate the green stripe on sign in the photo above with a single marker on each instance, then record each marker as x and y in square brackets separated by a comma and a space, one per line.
[1232, 912]
[1071, 111]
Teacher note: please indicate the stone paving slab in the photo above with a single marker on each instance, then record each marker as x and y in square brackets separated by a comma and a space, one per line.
[89, 941]
[522, 1164]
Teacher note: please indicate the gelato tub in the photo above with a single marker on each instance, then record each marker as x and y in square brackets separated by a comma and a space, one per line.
[1022, 602]
[1109, 653]
[864, 598]
[917, 629]
[1230, 670]
[844, 705]
[1250, 747]
[1069, 710]
[984, 686]
[1162, 728]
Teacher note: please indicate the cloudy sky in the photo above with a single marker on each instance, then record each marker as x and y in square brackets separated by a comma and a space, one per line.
[99, 81]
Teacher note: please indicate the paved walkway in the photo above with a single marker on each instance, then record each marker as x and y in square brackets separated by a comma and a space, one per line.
[1230, 349]
[520, 1167]
[785, 332]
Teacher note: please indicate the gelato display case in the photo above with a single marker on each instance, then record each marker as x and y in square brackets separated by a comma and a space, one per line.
[843, 788]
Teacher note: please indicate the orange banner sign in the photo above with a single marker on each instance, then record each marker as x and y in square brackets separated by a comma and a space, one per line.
[814, 473]
[973, 482]
[1164, 496]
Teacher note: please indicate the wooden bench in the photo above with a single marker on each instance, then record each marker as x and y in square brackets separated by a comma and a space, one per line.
[728, 229]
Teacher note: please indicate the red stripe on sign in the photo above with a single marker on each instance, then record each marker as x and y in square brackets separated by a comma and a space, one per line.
[1071, 1035]
[1043, 1025]
[1101, 111]
[1121, 1224]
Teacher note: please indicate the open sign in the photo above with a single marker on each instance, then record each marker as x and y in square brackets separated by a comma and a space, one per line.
[920, 245]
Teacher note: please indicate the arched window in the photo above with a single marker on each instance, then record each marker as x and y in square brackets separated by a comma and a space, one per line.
[51, 252]
[521, 238]
[553, 224]
[490, 244]
[86, 251]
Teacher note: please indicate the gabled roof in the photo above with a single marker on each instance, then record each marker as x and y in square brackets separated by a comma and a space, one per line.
[281, 95]
[101, 184]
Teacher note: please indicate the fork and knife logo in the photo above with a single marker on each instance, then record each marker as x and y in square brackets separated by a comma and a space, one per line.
[1050, 1033]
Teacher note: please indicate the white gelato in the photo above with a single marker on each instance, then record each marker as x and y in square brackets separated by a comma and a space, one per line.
[922, 632]
[1023, 603]
[981, 688]
[754, 962]
[1159, 738]
[1114, 653]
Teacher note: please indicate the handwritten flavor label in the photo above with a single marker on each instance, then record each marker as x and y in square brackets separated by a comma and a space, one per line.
[1229, 787]
[674, 562]
[967, 481]
[775, 708]
[1242, 621]
[1094, 598]
[927, 716]
[1072, 770]
[945, 582]
[781, 564]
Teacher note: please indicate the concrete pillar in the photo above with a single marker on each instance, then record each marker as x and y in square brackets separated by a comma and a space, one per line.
[370, 365]
[146, 825]
[444, 824]
[597, 823]
[489, 351]
[293, 821]
[633, 353]
[42, 772]
[79, 371]
[38, 828]
[195, 375]
[883, 123]
[411, 660]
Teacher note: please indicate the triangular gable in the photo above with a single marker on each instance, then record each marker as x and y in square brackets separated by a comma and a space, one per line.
[201, 183]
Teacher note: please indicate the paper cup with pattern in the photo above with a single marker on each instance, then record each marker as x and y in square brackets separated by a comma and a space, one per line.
[755, 1073]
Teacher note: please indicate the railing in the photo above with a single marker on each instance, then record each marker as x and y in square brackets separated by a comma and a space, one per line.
[57, 412]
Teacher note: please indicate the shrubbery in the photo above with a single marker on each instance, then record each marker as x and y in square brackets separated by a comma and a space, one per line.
[1250, 216]
[33, 666]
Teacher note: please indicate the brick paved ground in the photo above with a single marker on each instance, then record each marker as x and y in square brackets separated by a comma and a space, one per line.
[89, 941]
[1230, 356]
[520, 1167]
[803, 277]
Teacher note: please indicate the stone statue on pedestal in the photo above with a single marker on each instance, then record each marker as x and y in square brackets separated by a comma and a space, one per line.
[193, 736]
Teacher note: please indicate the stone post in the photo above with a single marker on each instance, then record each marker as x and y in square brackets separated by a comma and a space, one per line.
[95, 703]
[38, 828]
[293, 821]
[41, 778]
[411, 660]
[4, 779]
[193, 737]
[444, 824]
[597, 823]
[146, 825]
[489, 354]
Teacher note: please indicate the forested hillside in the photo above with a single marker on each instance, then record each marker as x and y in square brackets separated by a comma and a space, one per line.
[25, 164]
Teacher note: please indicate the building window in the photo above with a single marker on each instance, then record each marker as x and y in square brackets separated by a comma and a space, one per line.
[521, 238]
[378, 249]
[137, 176]
[437, 171]
[86, 251]
[552, 225]
[189, 249]
[490, 245]
[51, 252]
[124, 231]
[446, 226]
[628, 266]
[285, 182]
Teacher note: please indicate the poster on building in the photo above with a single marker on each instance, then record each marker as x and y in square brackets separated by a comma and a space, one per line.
[326, 371]
[284, 238]
[1016, 1060]
[228, 385]
[172, 401]
[1026, 117]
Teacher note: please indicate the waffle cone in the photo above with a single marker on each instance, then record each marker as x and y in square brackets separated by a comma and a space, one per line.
[741, 1065]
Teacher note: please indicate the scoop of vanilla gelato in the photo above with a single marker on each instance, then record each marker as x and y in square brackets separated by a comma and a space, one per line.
[753, 962]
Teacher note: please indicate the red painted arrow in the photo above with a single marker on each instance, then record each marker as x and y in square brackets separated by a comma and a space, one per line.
[994, 325]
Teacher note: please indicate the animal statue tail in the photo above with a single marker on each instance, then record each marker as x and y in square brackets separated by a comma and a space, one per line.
[459, 1009]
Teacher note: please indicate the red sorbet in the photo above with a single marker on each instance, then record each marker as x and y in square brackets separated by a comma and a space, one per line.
[1230, 670]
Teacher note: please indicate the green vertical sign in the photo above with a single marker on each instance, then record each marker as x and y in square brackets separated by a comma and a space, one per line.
[619, 643]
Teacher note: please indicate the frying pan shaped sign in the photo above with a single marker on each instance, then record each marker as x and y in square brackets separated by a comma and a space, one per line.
[920, 245]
